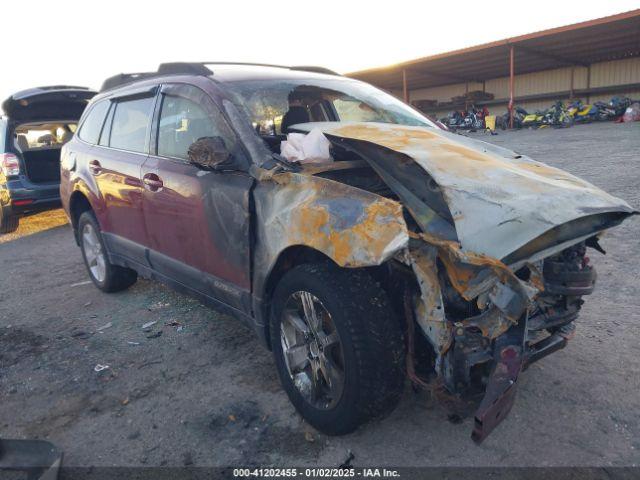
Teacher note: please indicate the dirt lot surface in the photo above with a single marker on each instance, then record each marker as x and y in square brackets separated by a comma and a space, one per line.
[196, 388]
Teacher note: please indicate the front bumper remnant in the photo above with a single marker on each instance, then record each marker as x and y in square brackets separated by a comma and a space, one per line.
[501, 387]
[500, 393]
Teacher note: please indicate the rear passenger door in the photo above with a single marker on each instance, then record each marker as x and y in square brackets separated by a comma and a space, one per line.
[116, 165]
[197, 220]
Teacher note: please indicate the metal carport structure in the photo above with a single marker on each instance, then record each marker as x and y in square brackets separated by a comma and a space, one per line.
[578, 45]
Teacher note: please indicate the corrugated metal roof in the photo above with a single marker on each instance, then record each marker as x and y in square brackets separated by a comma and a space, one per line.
[602, 39]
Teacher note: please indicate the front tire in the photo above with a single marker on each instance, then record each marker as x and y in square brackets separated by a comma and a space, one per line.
[337, 345]
[106, 276]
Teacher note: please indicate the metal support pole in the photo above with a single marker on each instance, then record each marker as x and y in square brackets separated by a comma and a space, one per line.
[405, 89]
[466, 96]
[511, 86]
[571, 85]
[588, 82]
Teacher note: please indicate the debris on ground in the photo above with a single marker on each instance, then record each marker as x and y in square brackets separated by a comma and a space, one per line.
[104, 327]
[155, 335]
[147, 325]
[133, 343]
[158, 306]
[99, 368]
[348, 460]
[308, 436]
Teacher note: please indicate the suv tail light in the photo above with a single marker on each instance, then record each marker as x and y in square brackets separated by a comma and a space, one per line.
[9, 164]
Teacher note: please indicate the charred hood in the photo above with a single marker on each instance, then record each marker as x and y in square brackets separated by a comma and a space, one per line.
[491, 200]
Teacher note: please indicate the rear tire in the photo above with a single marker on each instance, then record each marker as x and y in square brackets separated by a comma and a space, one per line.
[9, 223]
[369, 338]
[106, 276]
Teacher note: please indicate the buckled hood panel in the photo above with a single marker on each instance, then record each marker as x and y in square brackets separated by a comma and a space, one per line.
[499, 200]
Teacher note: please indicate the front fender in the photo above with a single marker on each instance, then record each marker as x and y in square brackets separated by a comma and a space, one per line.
[352, 227]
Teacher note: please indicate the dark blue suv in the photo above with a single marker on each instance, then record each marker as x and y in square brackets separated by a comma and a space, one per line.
[38, 122]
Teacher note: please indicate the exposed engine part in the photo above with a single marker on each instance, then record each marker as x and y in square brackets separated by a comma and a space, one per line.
[569, 272]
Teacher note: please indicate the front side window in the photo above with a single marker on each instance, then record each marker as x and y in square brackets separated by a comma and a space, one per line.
[188, 114]
[92, 125]
[130, 126]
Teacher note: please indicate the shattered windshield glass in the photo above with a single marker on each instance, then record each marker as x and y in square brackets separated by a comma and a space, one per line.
[275, 104]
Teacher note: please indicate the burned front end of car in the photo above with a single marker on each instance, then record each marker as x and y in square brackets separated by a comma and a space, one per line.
[495, 268]
[486, 323]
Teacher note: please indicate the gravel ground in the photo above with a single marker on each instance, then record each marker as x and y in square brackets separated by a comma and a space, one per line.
[197, 389]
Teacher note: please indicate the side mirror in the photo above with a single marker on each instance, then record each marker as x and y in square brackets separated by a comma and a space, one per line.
[211, 153]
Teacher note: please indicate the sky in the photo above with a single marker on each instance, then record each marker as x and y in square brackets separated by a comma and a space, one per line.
[82, 42]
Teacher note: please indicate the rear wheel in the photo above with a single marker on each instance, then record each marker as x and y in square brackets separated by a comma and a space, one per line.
[338, 346]
[8, 223]
[106, 276]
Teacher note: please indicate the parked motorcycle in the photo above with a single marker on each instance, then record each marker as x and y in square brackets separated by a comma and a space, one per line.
[581, 113]
[557, 116]
[519, 114]
[454, 120]
[619, 105]
[474, 119]
[533, 119]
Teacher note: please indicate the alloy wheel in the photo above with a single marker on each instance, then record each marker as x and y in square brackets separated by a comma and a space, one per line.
[312, 350]
[93, 252]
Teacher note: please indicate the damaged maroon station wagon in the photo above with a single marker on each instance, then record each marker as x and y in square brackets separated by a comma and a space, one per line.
[409, 252]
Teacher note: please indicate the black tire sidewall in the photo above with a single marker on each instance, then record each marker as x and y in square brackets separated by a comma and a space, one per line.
[342, 418]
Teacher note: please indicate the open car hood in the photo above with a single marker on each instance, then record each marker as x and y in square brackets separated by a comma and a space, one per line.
[503, 204]
[48, 103]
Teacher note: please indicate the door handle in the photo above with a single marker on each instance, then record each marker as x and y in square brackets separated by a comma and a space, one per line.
[152, 182]
[94, 167]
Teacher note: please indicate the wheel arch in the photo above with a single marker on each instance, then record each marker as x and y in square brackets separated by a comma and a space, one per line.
[291, 257]
[78, 204]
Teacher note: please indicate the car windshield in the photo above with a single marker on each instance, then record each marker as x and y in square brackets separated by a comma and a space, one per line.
[275, 104]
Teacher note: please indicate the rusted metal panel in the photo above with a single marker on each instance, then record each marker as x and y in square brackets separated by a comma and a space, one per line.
[499, 200]
[353, 227]
[429, 308]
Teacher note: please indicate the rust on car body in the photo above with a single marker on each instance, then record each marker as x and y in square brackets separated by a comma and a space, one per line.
[352, 227]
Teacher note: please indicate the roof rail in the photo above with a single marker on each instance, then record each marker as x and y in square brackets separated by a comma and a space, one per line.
[186, 68]
[194, 68]
[123, 79]
[174, 68]
[314, 69]
[301, 68]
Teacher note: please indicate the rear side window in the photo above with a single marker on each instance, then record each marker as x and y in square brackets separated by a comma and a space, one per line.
[130, 127]
[92, 125]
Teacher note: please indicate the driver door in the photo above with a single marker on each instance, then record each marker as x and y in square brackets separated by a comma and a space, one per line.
[197, 220]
